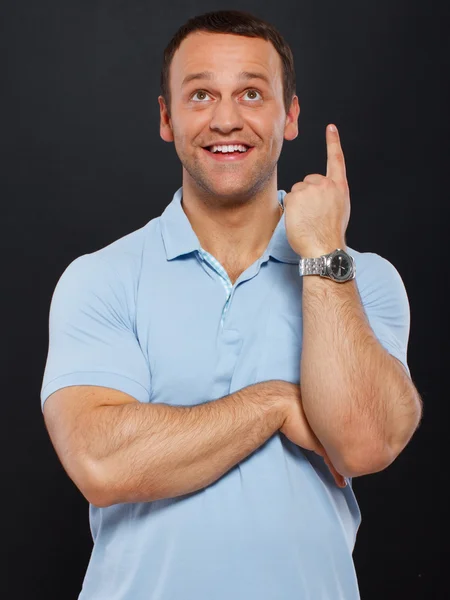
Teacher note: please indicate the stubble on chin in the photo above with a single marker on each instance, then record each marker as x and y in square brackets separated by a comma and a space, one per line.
[201, 178]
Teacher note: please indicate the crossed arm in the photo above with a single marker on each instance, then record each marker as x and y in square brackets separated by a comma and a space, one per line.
[358, 398]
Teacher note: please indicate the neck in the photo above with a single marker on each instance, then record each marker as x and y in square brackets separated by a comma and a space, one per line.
[233, 228]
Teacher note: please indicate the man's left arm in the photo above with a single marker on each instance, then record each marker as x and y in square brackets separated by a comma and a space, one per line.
[359, 400]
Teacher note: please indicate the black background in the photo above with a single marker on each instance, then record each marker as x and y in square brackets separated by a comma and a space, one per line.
[83, 164]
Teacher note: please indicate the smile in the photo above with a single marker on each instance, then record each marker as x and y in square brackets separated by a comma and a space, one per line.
[228, 156]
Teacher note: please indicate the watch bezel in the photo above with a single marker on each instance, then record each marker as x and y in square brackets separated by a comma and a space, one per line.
[331, 256]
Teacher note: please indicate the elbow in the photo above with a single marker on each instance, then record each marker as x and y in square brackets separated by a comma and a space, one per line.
[98, 500]
[104, 488]
[365, 460]
[98, 496]
[94, 486]
[372, 456]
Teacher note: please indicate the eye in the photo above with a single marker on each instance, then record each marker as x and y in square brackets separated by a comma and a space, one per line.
[199, 92]
[253, 92]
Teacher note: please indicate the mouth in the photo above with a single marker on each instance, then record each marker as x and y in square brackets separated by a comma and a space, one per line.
[228, 156]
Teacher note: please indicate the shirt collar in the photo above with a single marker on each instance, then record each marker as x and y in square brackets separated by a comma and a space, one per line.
[179, 238]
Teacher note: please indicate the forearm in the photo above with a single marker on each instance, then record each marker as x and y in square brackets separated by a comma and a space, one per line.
[152, 451]
[357, 398]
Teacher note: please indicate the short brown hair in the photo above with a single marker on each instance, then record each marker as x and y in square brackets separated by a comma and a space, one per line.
[236, 22]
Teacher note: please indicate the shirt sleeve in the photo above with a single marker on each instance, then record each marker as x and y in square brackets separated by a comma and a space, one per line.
[385, 302]
[92, 339]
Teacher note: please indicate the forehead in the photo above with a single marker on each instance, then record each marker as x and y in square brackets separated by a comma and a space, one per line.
[225, 55]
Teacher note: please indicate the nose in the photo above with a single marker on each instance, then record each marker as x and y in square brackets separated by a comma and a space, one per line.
[226, 116]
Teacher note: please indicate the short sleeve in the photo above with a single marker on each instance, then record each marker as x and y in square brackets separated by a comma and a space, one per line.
[385, 302]
[92, 338]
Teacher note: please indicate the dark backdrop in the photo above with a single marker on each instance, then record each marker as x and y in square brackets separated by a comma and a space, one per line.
[83, 164]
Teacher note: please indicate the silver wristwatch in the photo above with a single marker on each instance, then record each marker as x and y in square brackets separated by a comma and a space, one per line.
[337, 265]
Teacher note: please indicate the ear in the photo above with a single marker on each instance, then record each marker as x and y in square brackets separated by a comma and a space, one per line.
[165, 125]
[291, 126]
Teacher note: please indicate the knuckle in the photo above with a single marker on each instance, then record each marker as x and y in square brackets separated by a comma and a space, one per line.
[297, 186]
[313, 178]
[339, 158]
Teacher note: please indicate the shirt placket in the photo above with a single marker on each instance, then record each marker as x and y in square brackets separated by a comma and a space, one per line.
[226, 281]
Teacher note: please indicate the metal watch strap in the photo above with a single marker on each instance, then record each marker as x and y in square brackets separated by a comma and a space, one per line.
[312, 266]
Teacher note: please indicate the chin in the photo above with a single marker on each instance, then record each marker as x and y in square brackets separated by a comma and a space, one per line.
[230, 187]
[220, 185]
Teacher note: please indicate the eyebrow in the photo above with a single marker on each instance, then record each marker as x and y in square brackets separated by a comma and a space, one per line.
[209, 75]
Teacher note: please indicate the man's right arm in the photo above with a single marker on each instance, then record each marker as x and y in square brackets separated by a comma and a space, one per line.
[117, 449]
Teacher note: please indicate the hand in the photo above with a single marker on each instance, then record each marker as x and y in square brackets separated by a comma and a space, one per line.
[296, 427]
[317, 209]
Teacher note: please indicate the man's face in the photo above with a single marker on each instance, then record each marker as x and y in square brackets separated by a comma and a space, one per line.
[224, 108]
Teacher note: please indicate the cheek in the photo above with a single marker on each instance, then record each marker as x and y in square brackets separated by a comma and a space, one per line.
[275, 144]
[181, 141]
[188, 135]
[182, 126]
[273, 134]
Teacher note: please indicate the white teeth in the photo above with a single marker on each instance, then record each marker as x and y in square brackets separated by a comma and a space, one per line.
[230, 148]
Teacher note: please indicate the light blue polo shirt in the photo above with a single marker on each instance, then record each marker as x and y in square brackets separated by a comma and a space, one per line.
[155, 316]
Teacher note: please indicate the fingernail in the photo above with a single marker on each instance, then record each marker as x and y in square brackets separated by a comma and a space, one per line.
[332, 128]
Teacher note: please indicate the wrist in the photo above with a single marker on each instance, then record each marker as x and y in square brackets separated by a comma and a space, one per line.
[316, 250]
[276, 401]
[267, 396]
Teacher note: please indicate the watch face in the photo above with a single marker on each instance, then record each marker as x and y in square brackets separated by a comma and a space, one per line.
[340, 266]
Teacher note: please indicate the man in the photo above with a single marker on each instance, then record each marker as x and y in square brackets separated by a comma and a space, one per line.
[171, 388]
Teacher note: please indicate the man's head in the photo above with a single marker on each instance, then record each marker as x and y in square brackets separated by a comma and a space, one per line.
[227, 104]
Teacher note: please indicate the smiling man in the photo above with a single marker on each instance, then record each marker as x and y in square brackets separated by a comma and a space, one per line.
[229, 121]
[216, 378]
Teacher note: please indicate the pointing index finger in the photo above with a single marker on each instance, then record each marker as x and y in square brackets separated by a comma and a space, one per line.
[335, 156]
